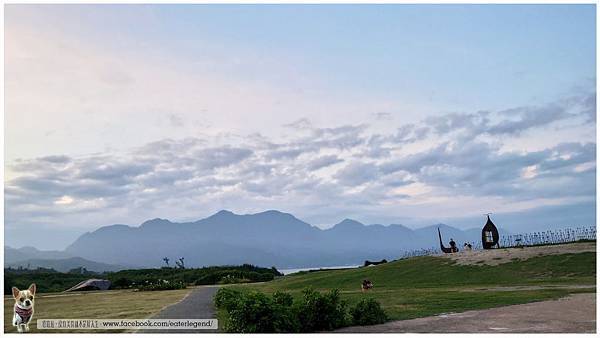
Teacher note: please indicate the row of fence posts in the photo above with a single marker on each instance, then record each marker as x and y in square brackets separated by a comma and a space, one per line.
[567, 235]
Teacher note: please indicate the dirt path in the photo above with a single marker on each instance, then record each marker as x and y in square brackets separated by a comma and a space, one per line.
[198, 304]
[532, 287]
[573, 314]
[499, 256]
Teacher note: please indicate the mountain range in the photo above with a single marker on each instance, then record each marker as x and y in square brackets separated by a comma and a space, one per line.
[30, 257]
[269, 238]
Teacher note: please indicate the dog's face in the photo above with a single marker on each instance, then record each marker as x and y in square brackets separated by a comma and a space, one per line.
[25, 298]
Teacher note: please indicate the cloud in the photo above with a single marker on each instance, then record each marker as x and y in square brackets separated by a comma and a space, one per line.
[448, 164]
[513, 121]
[300, 124]
[323, 161]
[211, 158]
[357, 173]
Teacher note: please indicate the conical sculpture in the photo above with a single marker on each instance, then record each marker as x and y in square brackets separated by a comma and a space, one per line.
[489, 235]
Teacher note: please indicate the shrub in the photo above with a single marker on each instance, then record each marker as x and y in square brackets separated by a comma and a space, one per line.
[285, 319]
[233, 276]
[265, 277]
[321, 312]
[368, 312]
[258, 277]
[162, 284]
[229, 279]
[121, 283]
[225, 298]
[253, 275]
[251, 313]
[283, 298]
[256, 312]
[208, 279]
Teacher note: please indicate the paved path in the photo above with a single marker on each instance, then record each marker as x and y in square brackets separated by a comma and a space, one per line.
[573, 314]
[198, 304]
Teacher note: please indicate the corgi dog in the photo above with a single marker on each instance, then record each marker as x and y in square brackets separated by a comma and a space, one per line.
[23, 307]
[366, 285]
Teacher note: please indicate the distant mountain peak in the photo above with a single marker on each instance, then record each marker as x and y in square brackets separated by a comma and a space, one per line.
[276, 213]
[439, 225]
[109, 228]
[222, 214]
[156, 222]
[272, 212]
[349, 223]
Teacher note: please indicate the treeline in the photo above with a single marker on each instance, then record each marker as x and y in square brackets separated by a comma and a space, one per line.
[48, 280]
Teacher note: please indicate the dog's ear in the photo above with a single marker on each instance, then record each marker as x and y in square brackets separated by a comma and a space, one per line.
[15, 292]
[32, 288]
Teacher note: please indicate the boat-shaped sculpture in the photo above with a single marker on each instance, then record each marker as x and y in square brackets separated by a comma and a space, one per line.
[442, 247]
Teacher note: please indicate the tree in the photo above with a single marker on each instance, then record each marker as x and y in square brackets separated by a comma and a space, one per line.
[180, 263]
[166, 259]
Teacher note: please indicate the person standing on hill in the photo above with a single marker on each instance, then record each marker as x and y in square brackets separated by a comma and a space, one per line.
[453, 245]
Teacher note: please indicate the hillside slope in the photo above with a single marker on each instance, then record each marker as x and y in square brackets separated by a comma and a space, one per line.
[429, 285]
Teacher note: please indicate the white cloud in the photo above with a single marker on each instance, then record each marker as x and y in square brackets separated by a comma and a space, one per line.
[64, 200]
[317, 173]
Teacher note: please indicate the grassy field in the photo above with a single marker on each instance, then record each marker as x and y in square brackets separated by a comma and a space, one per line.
[409, 288]
[425, 286]
[121, 304]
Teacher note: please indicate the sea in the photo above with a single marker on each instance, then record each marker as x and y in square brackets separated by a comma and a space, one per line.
[290, 271]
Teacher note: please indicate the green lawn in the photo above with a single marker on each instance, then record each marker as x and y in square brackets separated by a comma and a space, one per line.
[424, 286]
[121, 304]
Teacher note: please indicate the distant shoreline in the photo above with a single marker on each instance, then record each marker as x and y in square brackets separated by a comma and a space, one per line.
[290, 271]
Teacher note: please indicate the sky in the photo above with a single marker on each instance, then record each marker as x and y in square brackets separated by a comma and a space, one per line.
[411, 114]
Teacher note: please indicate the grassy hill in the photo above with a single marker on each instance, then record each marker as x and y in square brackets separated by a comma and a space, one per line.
[424, 286]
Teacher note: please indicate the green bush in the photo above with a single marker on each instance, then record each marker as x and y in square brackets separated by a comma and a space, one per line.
[286, 319]
[255, 312]
[283, 298]
[229, 279]
[259, 277]
[252, 313]
[162, 284]
[232, 276]
[321, 312]
[208, 279]
[225, 298]
[368, 312]
[121, 283]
